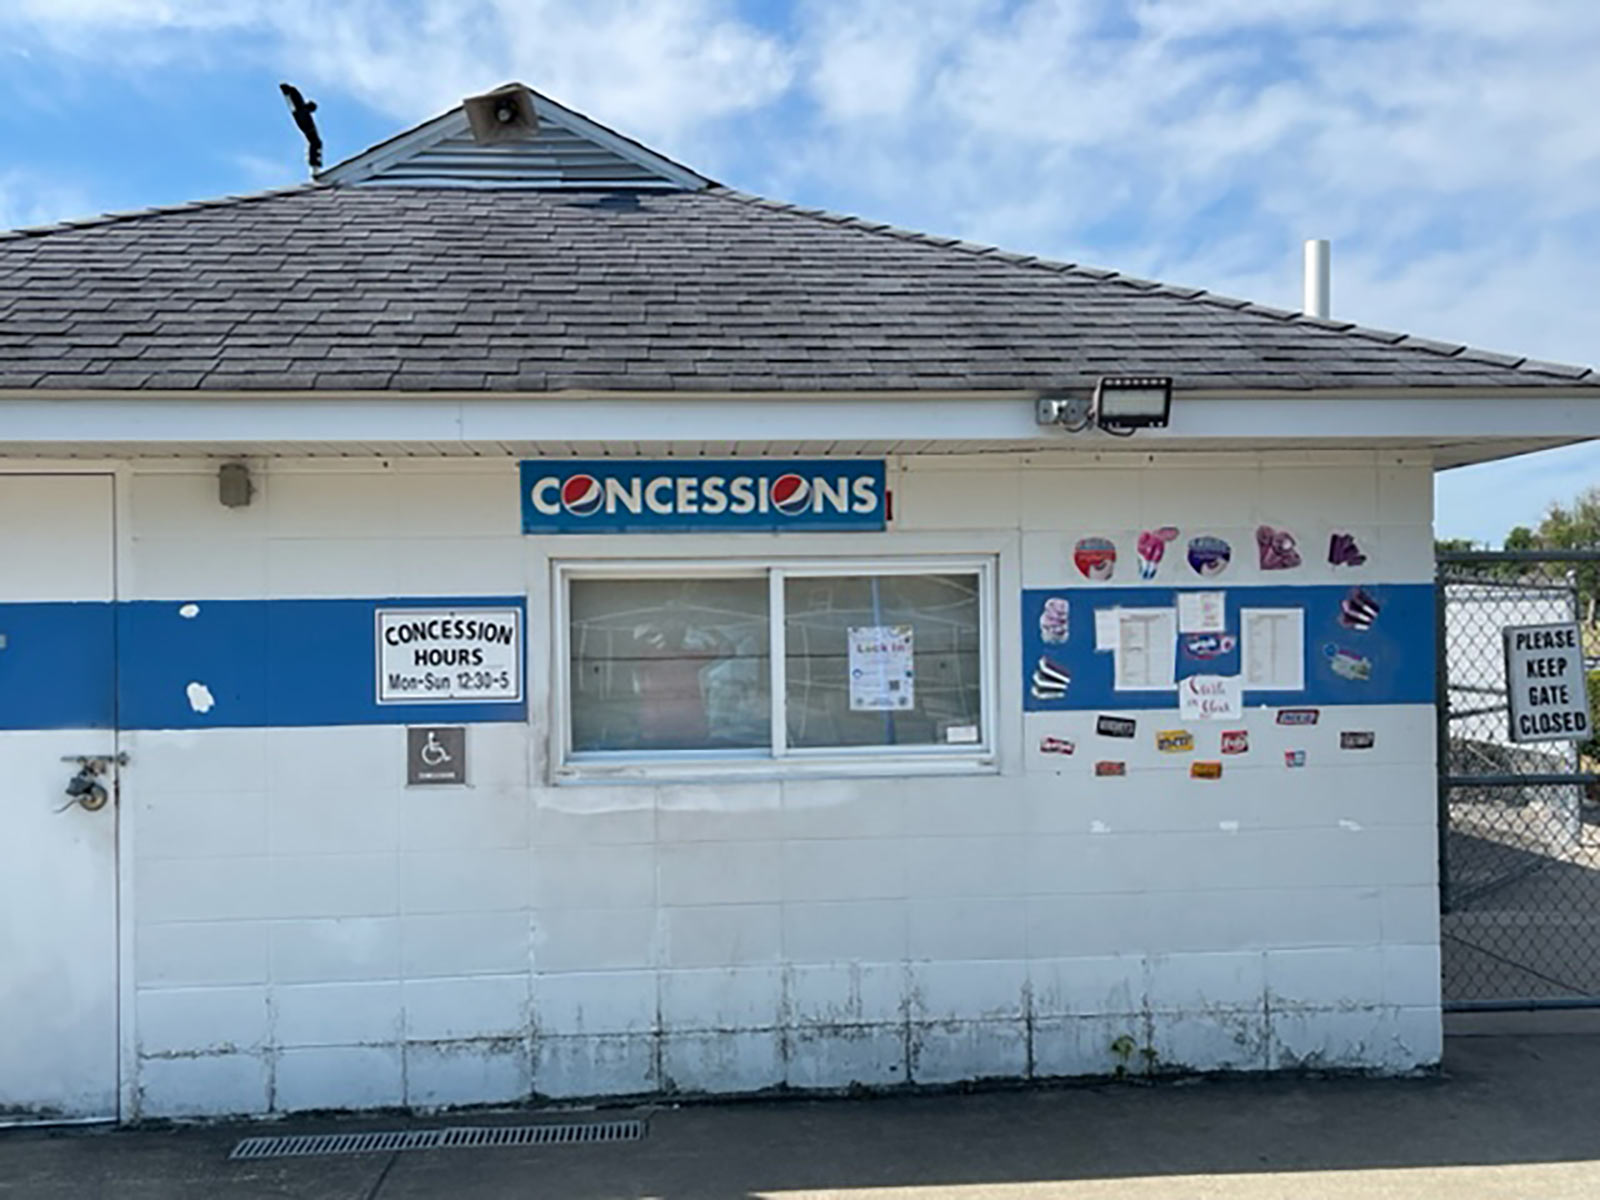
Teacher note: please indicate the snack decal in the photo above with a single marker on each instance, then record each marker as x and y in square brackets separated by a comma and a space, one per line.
[1205, 770]
[1105, 767]
[1121, 727]
[1174, 741]
[1235, 741]
[1056, 745]
[1298, 716]
[1360, 739]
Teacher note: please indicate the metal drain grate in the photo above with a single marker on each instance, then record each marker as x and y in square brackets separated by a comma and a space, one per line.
[461, 1138]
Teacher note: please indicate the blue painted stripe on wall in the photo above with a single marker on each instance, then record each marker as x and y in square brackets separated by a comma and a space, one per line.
[1400, 645]
[55, 667]
[265, 662]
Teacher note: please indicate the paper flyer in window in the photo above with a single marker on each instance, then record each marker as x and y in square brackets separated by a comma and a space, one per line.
[882, 678]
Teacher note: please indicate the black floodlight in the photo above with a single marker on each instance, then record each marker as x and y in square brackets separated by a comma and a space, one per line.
[1123, 403]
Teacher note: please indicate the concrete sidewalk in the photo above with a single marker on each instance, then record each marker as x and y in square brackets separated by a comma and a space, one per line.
[1514, 1115]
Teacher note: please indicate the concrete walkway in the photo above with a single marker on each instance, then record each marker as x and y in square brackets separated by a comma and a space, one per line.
[1514, 1115]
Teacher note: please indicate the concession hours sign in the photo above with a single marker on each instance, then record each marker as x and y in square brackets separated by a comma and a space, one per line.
[1545, 683]
[463, 655]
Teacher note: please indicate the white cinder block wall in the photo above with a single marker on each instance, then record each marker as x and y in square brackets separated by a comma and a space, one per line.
[306, 932]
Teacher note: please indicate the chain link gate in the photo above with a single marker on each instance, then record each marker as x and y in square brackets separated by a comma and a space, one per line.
[1519, 829]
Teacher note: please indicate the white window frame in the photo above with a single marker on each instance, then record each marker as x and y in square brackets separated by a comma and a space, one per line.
[779, 760]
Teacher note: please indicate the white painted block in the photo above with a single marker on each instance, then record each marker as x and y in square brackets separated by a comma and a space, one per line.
[1411, 975]
[1056, 497]
[1313, 1038]
[457, 819]
[335, 885]
[1405, 494]
[1190, 983]
[594, 939]
[965, 866]
[347, 768]
[622, 876]
[723, 999]
[1339, 977]
[967, 805]
[1410, 915]
[192, 761]
[472, 1008]
[567, 1068]
[209, 1020]
[934, 499]
[967, 991]
[465, 944]
[730, 812]
[200, 953]
[1217, 1039]
[208, 1085]
[1075, 1046]
[331, 565]
[722, 935]
[1310, 496]
[216, 824]
[355, 820]
[332, 950]
[216, 568]
[1414, 1039]
[841, 1057]
[724, 1062]
[954, 1051]
[719, 873]
[184, 503]
[339, 1077]
[1073, 926]
[833, 932]
[1197, 500]
[1088, 986]
[464, 881]
[203, 889]
[593, 815]
[841, 808]
[601, 1002]
[836, 869]
[833, 996]
[967, 928]
[1263, 918]
[450, 1074]
[337, 1014]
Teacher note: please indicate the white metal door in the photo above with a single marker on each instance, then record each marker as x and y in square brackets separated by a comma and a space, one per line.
[58, 893]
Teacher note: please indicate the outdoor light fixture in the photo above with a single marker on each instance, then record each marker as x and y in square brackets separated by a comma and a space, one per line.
[1119, 405]
[1123, 403]
[234, 485]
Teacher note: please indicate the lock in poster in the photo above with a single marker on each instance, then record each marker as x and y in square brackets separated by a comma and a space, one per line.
[882, 677]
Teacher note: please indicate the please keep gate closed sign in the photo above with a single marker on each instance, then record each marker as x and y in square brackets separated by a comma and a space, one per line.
[1546, 684]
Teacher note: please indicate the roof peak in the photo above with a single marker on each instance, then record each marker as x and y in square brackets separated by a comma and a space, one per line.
[567, 150]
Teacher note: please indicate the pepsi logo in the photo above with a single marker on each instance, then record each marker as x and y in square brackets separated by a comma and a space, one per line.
[581, 495]
[791, 494]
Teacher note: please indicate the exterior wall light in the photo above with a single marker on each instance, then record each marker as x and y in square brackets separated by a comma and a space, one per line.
[1123, 403]
[234, 485]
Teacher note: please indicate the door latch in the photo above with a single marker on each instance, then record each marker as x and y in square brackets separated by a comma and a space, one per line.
[85, 789]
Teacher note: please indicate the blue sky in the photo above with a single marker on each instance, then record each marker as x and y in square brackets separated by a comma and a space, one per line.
[1449, 148]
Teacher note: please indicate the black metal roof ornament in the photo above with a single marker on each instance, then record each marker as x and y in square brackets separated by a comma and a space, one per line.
[302, 109]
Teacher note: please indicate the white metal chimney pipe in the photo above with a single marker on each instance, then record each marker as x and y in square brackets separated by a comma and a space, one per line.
[1318, 287]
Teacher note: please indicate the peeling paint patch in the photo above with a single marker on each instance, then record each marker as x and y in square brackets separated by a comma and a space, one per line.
[200, 697]
[1228, 826]
[189, 611]
[1099, 827]
[1352, 826]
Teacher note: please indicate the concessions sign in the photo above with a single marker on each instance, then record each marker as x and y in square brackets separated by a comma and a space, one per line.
[703, 495]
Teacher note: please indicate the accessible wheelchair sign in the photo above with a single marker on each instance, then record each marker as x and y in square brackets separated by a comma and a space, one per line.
[701, 495]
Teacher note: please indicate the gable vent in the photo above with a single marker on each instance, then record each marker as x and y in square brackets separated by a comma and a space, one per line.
[550, 148]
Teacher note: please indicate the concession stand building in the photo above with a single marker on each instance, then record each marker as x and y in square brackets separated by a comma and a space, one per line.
[516, 619]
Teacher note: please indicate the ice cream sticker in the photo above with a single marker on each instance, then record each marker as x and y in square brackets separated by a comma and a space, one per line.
[1209, 556]
[1152, 548]
[1358, 610]
[1050, 680]
[1277, 549]
[1096, 558]
[1344, 552]
[1055, 620]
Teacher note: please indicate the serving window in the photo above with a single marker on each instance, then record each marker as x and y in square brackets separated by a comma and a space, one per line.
[667, 667]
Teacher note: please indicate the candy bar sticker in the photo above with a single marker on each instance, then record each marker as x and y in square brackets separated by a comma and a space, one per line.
[1235, 741]
[1122, 727]
[1294, 758]
[1344, 552]
[1096, 558]
[1347, 664]
[1203, 647]
[1298, 716]
[1205, 770]
[1152, 548]
[1174, 741]
[1209, 556]
[1358, 610]
[1357, 739]
[1277, 549]
[1104, 768]
[1050, 680]
[1054, 621]
[1056, 745]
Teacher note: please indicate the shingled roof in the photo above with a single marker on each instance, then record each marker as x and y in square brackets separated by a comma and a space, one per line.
[341, 287]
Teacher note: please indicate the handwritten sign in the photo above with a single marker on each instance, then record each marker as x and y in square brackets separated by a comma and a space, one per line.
[1210, 698]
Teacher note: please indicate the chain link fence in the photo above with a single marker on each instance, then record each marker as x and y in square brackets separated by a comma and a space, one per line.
[1519, 823]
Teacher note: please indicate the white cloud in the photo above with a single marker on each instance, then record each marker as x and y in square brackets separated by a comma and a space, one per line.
[27, 198]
